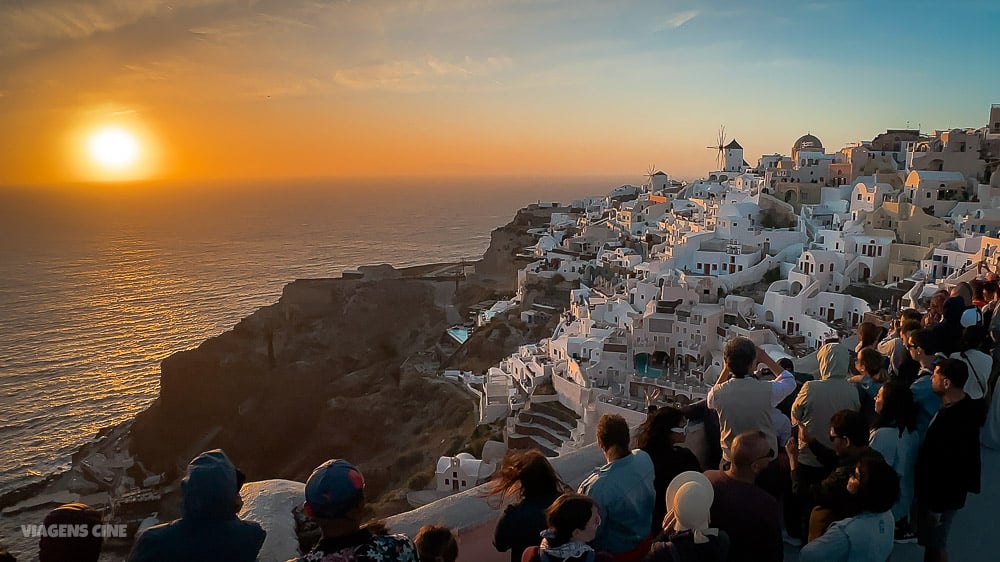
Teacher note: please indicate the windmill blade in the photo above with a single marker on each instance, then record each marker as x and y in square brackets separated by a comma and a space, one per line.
[649, 174]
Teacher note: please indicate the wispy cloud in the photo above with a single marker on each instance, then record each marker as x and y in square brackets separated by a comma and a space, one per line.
[30, 25]
[677, 20]
[415, 75]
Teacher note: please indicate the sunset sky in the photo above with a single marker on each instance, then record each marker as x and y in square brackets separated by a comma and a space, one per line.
[213, 89]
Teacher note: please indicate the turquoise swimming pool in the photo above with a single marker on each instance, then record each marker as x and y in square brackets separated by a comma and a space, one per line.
[459, 333]
[643, 369]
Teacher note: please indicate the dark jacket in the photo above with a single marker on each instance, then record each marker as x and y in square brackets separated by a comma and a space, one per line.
[668, 462]
[520, 525]
[908, 371]
[685, 550]
[948, 464]
[948, 333]
[209, 529]
[831, 492]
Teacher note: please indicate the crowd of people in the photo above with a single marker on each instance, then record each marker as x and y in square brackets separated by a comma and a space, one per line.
[883, 446]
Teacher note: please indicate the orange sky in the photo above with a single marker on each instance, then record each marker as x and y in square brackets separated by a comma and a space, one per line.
[240, 89]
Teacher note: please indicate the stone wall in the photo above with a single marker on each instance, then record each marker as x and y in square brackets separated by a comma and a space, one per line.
[470, 509]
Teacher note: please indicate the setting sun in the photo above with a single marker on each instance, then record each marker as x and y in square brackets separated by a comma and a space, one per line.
[112, 143]
[113, 148]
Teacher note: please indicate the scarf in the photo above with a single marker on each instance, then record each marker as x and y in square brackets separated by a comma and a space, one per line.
[565, 551]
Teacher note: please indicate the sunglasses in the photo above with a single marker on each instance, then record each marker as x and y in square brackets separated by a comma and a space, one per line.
[770, 455]
[834, 437]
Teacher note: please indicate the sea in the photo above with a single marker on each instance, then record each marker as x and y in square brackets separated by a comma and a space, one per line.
[99, 283]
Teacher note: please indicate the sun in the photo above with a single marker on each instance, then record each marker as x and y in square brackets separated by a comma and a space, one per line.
[113, 148]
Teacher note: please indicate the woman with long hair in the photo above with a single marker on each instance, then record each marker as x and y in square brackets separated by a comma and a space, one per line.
[870, 365]
[528, 480]
[894, 435]
[865, 536]
[935, 309]
[868, 336]
[661, 436]
[572, 521]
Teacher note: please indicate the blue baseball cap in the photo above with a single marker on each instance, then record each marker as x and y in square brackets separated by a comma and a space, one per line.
[334, 488]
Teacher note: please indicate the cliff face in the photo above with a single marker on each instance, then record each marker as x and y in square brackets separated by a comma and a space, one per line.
[499, 264]
[336, 368]
[315, 376]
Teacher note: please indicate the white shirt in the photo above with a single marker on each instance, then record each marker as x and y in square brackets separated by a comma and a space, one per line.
[780, 388]
[980, 365]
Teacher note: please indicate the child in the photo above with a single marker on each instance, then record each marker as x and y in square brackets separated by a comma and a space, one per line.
[573, 521]
[436, 543]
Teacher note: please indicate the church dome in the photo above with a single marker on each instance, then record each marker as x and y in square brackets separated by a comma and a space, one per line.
[808, 143]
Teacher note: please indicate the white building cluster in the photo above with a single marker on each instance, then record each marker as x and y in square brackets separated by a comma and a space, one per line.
[669, 270]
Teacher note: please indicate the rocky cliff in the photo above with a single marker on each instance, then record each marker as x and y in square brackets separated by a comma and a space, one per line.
[314, 376]
[335, 368]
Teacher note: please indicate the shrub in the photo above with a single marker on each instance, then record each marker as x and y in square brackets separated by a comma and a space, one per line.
[420, 480]
[772, 275]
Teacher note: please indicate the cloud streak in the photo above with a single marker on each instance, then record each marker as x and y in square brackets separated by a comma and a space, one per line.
[32, 25]
[677, 20]
[421, 74]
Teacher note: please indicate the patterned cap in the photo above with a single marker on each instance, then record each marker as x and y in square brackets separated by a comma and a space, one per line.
[334, 488]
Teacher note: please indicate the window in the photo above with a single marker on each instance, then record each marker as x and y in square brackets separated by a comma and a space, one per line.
[859, 197]
[447, 482]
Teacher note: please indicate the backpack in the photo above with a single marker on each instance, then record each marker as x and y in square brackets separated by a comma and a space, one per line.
[981, 404]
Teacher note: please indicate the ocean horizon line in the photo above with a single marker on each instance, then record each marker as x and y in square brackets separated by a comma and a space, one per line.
[399, 179]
